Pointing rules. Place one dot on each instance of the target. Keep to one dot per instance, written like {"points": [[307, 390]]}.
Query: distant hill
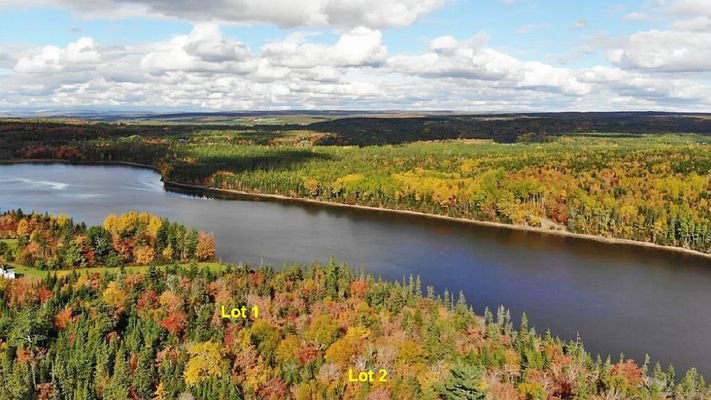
{"points": [[507, 127], [372, 128]]}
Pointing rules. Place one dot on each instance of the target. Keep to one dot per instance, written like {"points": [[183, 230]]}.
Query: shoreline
{"points": [[500, 225], [59, 161], [277, 197]]}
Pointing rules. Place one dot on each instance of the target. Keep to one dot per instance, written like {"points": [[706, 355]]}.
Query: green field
{"points": [[38, 273], [23, 270]]}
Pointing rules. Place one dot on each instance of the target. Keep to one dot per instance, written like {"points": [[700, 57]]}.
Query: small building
{"points": [[7, 272]]}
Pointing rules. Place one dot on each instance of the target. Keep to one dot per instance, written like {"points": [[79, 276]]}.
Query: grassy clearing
{"points": [[38, 273]]}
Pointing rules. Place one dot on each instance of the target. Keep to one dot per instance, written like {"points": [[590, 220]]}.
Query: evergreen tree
{"points": [[465, 382], [118, 386]]}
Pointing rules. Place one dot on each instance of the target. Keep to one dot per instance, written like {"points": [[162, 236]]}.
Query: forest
{"points": [[653, 188], [159, 334], [49, 242]]}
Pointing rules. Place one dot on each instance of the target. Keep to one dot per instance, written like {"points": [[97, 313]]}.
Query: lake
{"points": [[620, 299]]}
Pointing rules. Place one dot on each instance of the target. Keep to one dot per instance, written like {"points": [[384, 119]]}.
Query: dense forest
{"points": [[51, 242], [650, 188], [163, 334]]}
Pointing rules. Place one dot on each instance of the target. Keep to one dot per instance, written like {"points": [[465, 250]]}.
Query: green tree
{"points": [[465, 382]]}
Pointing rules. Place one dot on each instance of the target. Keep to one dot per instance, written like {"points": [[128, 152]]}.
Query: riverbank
{"points": [[59, 161], [613, 241], [207, 191]]}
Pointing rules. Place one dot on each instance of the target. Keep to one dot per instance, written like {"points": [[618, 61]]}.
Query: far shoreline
{"points": [[205, 190]]}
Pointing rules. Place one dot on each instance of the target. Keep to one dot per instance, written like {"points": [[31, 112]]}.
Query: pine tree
{"points": [[118, 386], [465, 382]]}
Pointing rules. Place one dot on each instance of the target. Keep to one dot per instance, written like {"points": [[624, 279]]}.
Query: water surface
{"points": [[620, 299]]}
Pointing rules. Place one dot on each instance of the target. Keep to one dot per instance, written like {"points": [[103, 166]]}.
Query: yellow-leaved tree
{"points": [[205, 246], [341, 351], [206, 361], [143, 255], [23, 228], [63, 219], [114, 295]]}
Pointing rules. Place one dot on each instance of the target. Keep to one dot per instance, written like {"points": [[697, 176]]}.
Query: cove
{"points": [[620, 299]]}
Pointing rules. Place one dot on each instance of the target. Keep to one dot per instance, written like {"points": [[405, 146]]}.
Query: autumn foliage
{"points": [[56, 242], [158, 334]]}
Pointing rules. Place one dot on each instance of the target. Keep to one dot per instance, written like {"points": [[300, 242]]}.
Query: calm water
{"points": [[620, 299]]}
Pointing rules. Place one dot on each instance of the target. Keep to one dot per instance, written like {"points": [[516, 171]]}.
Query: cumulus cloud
{"points": [[359, 47], [204, 49], [344, 14], [696, 24], [628, 84], [682, 46], [666, 51], [208, 69], [688, 7], [449, 58], [201, 69], [81, 54]]}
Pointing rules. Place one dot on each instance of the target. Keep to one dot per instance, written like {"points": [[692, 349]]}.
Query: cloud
{"points": [[204, 49], [683, 46], [206, 69], [342, 14], [359, 47], [200, 69], [81, 54], [448, 58], [636, 16], [580, 24], [688, 7], [698, 24], [665, 51], [659, 10], [628, 84]]}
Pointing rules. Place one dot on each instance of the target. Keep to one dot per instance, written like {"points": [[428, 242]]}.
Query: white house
{"points": [[7, 272]]}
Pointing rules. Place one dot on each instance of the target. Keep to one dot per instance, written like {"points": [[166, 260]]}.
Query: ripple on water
{"points": [[50, 184]]}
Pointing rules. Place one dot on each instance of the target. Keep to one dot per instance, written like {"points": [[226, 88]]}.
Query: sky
{"points": [[460, 55]]}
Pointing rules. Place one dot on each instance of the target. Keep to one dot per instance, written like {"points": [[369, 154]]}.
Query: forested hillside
{"points": [[305, 334], [647, 189]]}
